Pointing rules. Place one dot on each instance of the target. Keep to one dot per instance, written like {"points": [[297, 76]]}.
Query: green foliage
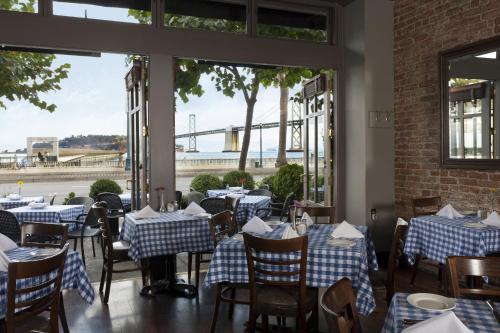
{"points": [[268, 180], [106, 142], [289, 178], [204, 182], [233, 178], [104, 185], [184, 202], [71, 195]]}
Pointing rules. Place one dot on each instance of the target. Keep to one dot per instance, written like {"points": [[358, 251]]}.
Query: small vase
{"points": [[163, 209]]}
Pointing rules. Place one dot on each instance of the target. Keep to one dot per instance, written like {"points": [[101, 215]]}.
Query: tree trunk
{"points": [[284, 95], [246, 136]]}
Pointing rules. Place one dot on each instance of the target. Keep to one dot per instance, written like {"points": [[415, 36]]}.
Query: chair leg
{"points": [[103, 276], [93, 246], [197, 270], [83, 251], [252, 322], [108, 282], [315, 318], [216, 309], [265, 323], [231, 305], [190, 262], [62, 314], [144, 272], [75, 243], [415, 269]]}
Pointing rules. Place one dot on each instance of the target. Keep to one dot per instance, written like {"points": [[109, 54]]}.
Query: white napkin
{"points": [[346, 230], [4, 262], [289, 233], [445, 322], [493, 219], [401, 222], [449, 212], [194, 209], [14, 196], [6, 243], [146, 213], [256, 225], [236, 195], [309, 221]]}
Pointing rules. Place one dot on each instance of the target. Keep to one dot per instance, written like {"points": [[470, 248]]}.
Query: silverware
{"points": [[409, 322]]}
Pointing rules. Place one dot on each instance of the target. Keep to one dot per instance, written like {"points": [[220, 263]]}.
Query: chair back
{"points": [[52, 200], [9, 226], [101, 212], [232, 203], [213, 205], [222, 225], [261, 192], [473, 267], [319, 214], [397, 247], [38, 234], [288, 270], [264, 186], [178, 197], [339, 307], [40, 295], [285, 212], [112, 200], [426, 206], [194, 196], [85, 201]]}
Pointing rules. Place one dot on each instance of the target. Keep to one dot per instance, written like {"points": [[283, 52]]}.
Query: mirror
{"points": [[471, 106]]}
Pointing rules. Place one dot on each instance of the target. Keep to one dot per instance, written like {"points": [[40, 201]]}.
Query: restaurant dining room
{"points": [[388, 221]]}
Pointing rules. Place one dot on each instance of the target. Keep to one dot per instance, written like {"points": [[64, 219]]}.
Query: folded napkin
{"points": [[146, 213], [6, 243], [401, 222], [194, 209], [445, 322], [4, 262], [14, 196], [493, 219], [308, 219], [449, 212], [256, 225], [346, 230], [289, 233]]}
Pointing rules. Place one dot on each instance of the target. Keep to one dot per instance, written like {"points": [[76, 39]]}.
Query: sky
{"points": [[93, 101]]}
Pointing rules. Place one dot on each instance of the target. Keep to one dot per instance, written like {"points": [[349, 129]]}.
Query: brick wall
{"points": [[421, 30]]}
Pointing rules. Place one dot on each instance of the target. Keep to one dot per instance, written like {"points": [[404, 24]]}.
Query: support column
{"points": [[161, 126]]}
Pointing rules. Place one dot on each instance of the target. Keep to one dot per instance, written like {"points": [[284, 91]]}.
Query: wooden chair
{"points": [[9, 226], [268, 297], [280, 208], [38, 234], [476, 267], [222, 225], [388, 281], [424, 206], [112, 252], [319, 214], [115, 208], [339, 307], [19, 311], [233, 204]]}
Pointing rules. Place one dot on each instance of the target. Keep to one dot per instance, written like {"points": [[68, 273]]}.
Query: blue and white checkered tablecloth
{"points": [[49, 214], [221, 193], [326, 264], [437, 237], [171, 233], [7, 203], [475, 314], [126, 198], [74, 276], [249, 206]]}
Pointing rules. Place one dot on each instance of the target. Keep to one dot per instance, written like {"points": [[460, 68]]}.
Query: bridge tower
{"points": [[296, 134], [192, 135]]}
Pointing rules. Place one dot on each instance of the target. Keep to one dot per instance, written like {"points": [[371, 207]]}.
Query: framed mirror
{"points": [[470, 106]]}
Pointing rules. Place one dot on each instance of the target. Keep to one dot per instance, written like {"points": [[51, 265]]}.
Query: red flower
{"points": [[161, 188], [242, 181]]}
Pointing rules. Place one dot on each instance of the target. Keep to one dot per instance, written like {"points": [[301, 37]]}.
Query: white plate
{"points": [[274, 223], [341, 242], [238, 237], [38, 205], [475, 225], [431, 302]]}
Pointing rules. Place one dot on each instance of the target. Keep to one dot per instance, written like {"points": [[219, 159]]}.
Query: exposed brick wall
{"points": [[421, 30]]}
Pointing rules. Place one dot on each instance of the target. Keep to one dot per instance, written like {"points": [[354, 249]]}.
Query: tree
{"points": [[24, 75]]}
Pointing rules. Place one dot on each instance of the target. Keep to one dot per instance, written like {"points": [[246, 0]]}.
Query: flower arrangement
{"points": [[159, 194], [20, 183]]}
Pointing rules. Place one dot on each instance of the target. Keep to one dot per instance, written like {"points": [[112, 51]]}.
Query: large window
{"points": [[111, 10]]}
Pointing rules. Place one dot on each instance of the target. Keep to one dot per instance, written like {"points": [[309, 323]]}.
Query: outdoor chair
{"points": [[9, 226], [339, 307], [319, 214], [268, 260], [39, 234], [44, 295], [280, 209], [261, 192], [112, 252], [222, 226], [194, 196], [88, 227], [115, 209], [178, 197], [476, 267], [52, 200], [213, 205], [87, 202]]}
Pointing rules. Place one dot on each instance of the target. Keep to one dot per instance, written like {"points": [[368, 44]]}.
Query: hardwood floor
{"points": [[128, 312]]}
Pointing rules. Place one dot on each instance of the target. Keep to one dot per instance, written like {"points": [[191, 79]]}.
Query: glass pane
{"points": [[311, 155], [219, 16], [321, 160], [307, 24], [130, 12], [472, 137], [473, 107], [455, 138], [26, 6]]}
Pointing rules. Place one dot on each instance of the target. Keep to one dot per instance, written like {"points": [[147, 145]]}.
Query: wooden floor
{"points": [[128, 312]]}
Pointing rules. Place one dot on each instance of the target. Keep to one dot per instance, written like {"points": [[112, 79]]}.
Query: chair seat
{"points": [[378, 279], [283, 301], [121, 246], [88, 232]]}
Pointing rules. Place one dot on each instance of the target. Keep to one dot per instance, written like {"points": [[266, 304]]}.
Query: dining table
{"points": [[437, 237], [249, 206], [224, 192], [9, 203], [74, 275], [126, 198], [475, 314], [165, 236], [49, 214], [326, 263]]}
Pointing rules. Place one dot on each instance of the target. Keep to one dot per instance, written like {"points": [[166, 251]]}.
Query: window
{"points": [[110, 10]]}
